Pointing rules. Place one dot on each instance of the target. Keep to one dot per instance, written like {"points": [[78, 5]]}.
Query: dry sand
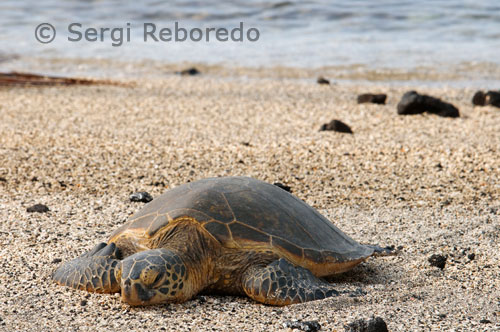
{"points": [[425, 183]]}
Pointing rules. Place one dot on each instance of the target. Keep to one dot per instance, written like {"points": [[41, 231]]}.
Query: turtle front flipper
{"points": [[98, 270], [282, 283]]}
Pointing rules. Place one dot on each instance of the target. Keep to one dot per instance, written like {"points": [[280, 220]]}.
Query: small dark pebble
{"points": [[485, 321], [471, 256], [41, 208], [356, 293], [283, 186], [376, 324], [308, 326], [438, 261], [201, 299], [336, 125], [322, 80], [2, 179], [446, 203], [83, 303], [56, 260], [34, 179], [190, 72], [141, 197], [372, 98], [414, 103]]}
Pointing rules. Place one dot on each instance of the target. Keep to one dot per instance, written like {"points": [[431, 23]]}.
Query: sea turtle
{"points": [[230, 235]]}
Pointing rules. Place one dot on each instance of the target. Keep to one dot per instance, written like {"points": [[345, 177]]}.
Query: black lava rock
{"points": [[283, 186], [56, 260], [40, 208], [375, 324], [141, 197], [485, 321], [2, 179], [492, 98], [438, 261], [322, 80], [479, 98], [414, 103], [471, 256], [372, 98], [190, 72], [336, 125], [309, 326]]}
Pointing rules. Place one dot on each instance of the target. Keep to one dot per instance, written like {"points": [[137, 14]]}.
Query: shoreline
{"points": [[463, 75], [425, 183]]}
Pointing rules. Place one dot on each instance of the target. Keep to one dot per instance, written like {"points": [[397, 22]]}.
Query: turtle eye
{"points": [[150, 277]]}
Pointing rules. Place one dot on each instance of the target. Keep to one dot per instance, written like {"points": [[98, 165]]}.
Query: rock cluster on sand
{"points": [[484, 99]]}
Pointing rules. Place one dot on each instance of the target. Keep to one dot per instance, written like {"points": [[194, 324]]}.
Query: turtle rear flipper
{"points": [[379, 251], [282, 283], [98, 270]]}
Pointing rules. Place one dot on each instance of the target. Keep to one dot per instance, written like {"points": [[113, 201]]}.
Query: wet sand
{"points": [[425, 183]]}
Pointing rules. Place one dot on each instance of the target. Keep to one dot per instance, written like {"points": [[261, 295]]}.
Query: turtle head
{"points": [[153, 276]]}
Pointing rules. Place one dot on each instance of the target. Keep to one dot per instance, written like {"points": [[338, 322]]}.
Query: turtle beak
{"points": [[135, 294]]}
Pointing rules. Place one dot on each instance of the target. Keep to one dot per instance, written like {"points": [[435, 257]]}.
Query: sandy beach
{"points": [[424, 183]]}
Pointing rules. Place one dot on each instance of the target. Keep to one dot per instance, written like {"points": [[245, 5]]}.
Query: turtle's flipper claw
{"points": [[282, 283], [103, 250], [111, 251]]}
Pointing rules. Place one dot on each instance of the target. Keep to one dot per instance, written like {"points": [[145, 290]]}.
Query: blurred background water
{"points": [[376, 34]]}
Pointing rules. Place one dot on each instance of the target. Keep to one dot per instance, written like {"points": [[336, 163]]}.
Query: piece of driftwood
{"points": [[28, 79]]}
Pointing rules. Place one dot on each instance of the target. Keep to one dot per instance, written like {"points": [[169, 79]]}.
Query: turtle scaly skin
{"points": [[231, 235]]}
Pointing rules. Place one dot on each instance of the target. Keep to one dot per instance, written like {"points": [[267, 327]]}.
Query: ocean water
{"points": [[376, 34]]}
